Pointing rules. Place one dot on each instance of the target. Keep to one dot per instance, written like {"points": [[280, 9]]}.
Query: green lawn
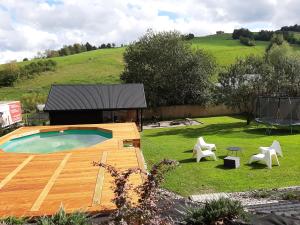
{"points": [[210, 176]]}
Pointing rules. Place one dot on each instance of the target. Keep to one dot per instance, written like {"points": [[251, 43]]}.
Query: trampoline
{"points": [[278, 111]]}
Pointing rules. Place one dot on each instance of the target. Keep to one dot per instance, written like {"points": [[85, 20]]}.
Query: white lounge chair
{"points": [[202, 154], [266, 157], [275, 145], [205, 145]]}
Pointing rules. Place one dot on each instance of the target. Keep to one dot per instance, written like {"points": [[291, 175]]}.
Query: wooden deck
{"points": [[38, 184]]}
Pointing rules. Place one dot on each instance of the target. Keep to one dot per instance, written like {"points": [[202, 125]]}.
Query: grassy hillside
{"points": [[225, 49], [105, 65]]}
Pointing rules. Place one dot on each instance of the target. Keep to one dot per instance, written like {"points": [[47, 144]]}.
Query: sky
{"points": [[29, 26]]}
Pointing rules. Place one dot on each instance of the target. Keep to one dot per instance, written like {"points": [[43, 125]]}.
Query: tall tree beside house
{"points": [[172, 73]]}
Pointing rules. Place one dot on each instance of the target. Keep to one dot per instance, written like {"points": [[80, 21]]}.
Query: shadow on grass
{"points": [[273, 132], [258, 166], [188, 151], [221, 128], [193, 160]]}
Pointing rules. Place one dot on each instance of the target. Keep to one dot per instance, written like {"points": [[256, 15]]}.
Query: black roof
{"points": [[96, 96]]}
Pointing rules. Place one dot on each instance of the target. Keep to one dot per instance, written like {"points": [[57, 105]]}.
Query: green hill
{"points": [[105, 65]]}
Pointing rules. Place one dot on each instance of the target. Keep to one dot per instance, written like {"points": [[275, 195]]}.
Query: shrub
{"points": [[242, 32], [61, 218], [222, 211], [291, 195], [30, 100], [9, 74], [247, 41], [12, 221], [145, 210]]}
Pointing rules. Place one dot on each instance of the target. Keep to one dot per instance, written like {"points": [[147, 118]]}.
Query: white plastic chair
{"points": [[205, 145], [275, 145], [202, 154], [266, 157]]}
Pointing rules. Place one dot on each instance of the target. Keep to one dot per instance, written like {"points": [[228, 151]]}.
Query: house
{"points": [[96, 103]]}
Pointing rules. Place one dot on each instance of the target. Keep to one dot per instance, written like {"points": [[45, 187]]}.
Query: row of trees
{"points": [[75, 49], [12, 72], [246, 36], [174, 74]]}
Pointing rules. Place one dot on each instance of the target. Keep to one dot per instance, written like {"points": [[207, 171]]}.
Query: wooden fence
{"points": [[186, 111]]}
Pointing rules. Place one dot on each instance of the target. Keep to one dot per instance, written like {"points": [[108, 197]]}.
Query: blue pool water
{"points": [[47, 142]]}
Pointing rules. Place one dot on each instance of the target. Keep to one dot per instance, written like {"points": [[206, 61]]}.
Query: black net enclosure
{"points": [[278, 111]]}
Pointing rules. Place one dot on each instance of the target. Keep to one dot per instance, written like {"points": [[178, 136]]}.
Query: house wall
{"points": [[91, 117], [75, 117]]}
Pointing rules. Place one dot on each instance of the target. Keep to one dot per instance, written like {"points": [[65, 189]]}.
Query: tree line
{"points": [[12, 72], [175, 74], [247, 37], [75, 49]]}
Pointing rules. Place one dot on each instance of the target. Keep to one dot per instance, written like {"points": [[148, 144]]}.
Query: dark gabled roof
{"points": [[96, 96]]}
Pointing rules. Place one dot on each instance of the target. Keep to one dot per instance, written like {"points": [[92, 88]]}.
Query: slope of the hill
{"points": [[225, 49], [105, 65]]}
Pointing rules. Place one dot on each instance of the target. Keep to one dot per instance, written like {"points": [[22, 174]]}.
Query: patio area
{"points": [[39, 184]]}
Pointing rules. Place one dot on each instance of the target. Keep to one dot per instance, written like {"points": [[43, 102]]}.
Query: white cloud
{"points": [[29, 26]]}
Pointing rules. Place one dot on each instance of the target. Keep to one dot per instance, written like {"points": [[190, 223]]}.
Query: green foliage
{"points": [[9, 74], [30, 100], [221, 211], [243, 82], [291, 195], [12, 221], [247, 41], [286, 66], [61, 218], [237, 33], [172, 73], [264, 35], [277, 39]]}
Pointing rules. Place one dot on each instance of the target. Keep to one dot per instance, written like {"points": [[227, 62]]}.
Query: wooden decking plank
{"points": [[100, 181], [37, 204], [15, 171]]}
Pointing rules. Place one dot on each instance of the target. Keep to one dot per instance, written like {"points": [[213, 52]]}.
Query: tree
{"points": [[25, 59], [244, 80], [242, 32], [264, 35], [286, 64], [277, 39], [9, 74], [172, 73], [88, 46], [247, 41]]}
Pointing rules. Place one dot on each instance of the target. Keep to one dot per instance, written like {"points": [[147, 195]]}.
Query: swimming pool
{"points": [[54, 141]]}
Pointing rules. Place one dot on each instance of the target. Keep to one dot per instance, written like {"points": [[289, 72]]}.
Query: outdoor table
{"points": [[234, 149]]}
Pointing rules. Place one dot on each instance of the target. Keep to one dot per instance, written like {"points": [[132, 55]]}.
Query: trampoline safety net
{"points": [[280, 111]]}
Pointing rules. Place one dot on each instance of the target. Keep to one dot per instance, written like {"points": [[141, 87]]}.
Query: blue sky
{"points": [[29, 26]]}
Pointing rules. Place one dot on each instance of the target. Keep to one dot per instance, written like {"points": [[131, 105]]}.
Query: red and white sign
{"points": [[10, 113], [15, 111]]}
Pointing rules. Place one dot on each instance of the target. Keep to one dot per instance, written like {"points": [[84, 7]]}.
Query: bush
{"points": [[61, 218], [12, 221], [247, 41], [242, 32], [30, 100], [264, 35], [222, 211], [9, 74]]}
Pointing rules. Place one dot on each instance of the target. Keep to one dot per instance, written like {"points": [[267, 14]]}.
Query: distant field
{"points": [[105, 65], [225, 49]]}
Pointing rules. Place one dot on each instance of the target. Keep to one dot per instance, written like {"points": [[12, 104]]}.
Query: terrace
{"points": [[38, 184]]}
